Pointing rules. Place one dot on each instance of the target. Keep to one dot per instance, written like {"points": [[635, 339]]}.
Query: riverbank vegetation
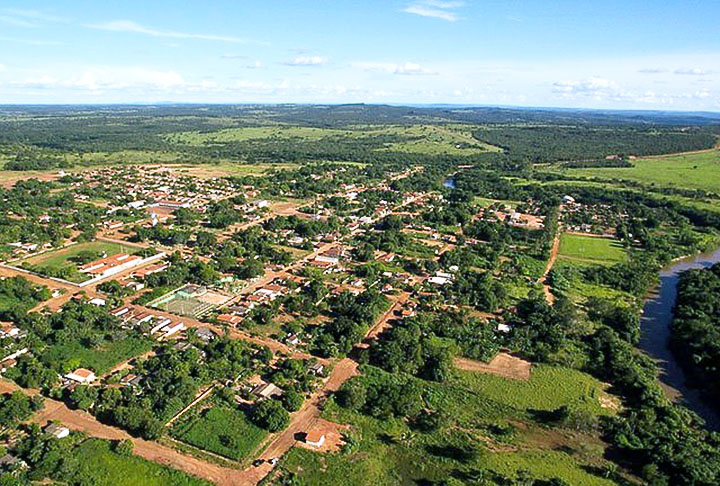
{"points": [[696, 329]]}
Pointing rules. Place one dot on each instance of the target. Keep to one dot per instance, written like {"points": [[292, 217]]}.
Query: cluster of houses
{"points": [[596, 219], [168, 187], [329, 260], [22, 249], [234, 314], [153, 324], [11, 335]]}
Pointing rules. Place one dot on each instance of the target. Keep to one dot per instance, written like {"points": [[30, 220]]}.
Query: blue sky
{"points": [[599, 54]]}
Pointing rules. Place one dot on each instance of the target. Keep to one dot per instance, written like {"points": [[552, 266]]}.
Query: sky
{"points": [[610, 54]]}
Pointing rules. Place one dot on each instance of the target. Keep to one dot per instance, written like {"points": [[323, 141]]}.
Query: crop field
{"points": [[222, 430], [388, 452], [590, 249], [62, 259], [100, 466], [693, 171]]}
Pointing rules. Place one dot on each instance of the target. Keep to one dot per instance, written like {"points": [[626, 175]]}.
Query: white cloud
{"points": [[130, 26], [307, 61], [412, 69], [108, 79], [37, 82], [592, 86], [438, 9], [693, 72], [113, 78], [2, 68], [233, 56], [16, 21], [31, 42], [33, 14], [255, 65], [407, 68], [608, 91], [652, 70]]}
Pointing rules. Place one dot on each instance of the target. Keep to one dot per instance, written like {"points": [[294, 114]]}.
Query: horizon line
{"points": [[392, 104]]}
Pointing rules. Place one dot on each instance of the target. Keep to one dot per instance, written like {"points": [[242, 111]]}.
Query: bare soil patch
{"points": [[503, 364]]}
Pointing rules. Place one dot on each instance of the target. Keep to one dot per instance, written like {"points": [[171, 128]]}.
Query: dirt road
{"points": [[84, 422], [383, 322], [303, 420], [545, 278]]}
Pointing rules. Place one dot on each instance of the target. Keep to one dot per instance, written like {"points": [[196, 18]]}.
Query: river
{"points": [[655, 325]]}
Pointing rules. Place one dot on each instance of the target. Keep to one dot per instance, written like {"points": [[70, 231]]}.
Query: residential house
{"points": [[82, 376], [57, 431], [267, 390], [315, 438]]}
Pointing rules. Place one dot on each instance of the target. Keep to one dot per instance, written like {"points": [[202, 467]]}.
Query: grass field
{"points": [[59, 259], [485, 202], [589, 249], [435, 139], [71, 355], [98, 465], [225, 169], [694, 171], [427, 139], [541, 392], [388, 452], [222, 430]]}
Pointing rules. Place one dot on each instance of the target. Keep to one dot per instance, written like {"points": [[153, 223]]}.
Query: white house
{"points": [[57, 431], [315, 438], [173, 329], [81, 375]]}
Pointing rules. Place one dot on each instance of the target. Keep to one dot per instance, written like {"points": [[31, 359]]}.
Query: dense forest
{"points": [[696, 328]]}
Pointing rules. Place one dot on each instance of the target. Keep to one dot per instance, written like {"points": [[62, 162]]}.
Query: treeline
{"points": [[696, 329], [569, 143]]}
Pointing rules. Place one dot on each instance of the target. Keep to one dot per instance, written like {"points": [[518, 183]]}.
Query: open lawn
{"points": [[62, 258], [98, 465], [590, 249], [478, 407], [693, 171], [222, 430]]}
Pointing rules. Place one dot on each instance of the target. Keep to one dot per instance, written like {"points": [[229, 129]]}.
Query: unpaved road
{"points": [[544, 279], [84, 422]]}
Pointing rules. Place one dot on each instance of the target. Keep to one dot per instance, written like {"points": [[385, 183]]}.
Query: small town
{"points": [[409, 243]]}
